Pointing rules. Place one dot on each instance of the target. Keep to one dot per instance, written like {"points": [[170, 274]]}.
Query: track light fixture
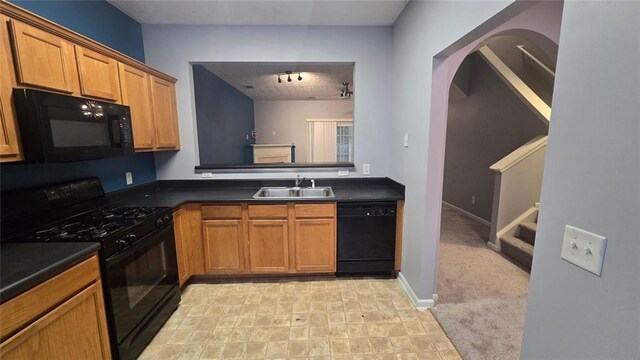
{"points": [[288, 73]]}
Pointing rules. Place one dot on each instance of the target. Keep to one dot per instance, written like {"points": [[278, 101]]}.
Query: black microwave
{"points": [[56, 127]]}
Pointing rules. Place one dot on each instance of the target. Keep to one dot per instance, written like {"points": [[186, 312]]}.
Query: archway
{"points": [[528, 25]]}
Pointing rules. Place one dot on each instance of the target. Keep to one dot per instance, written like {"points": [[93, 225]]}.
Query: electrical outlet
{"points": [[343, 172], [406, 140], [583, 249], [129, 177], [206, 175], [366, 169]]}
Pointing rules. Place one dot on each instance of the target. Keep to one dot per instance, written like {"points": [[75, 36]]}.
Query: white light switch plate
{"points": [[583, 249], [366, 169], [129, 177]]}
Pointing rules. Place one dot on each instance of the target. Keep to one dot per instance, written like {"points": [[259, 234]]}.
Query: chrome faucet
{"points": [[299, 180], [313, 184]]}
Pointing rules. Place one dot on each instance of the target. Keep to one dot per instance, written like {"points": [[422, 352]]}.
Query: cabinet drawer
{"points": [[315, 210], [221, 211], [268, 211]]}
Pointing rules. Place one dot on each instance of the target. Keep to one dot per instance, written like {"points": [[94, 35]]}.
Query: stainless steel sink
{"points": [[294, 193]]}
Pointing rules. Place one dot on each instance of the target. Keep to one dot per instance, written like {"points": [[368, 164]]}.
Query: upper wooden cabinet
{"points": [[165, 113], [10, 147], [136, 93], [37, 53], [98, 75], [42, 59]]}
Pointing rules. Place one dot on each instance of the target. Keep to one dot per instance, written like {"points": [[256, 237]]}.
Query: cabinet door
{"points": [[42, 59], [165, 114], [136, 93], [223, 246], [10, 149], [77, 328], [268, 246], [98, 75], [182, 245], [316, 245]]}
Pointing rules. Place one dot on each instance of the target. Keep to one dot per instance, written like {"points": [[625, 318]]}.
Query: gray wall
{"points": [[481, 129], [224, 118], [170, 48], [592, 181], [289, 120]]}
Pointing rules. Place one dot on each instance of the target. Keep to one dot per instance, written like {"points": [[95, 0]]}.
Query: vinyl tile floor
{"points": [[300, 319]]}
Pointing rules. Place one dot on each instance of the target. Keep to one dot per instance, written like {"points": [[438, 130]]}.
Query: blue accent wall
{"points": [[96, 19], [225, 117], [104, 23]]}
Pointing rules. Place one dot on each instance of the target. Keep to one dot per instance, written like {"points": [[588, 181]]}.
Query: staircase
{"points": [[519, 247]]}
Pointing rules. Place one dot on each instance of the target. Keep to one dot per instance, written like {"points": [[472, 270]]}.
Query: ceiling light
{"points": [[279, 80], [299, 77], [289, 78]]}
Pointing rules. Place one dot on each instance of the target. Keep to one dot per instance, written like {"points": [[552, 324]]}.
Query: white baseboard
{"points": [[468, 214], [419, 304]]}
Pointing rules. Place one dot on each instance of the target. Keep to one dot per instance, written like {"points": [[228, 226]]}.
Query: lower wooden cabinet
{"points": [[268, 246], [223, 246], [235, 239], [315, 245], [63, 318]]}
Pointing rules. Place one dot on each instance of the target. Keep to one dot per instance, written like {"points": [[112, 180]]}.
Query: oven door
{"points": [[139, 278]]}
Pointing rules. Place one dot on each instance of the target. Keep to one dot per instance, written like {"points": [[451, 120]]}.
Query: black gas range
{"points": [[115, 227], [138, 255]]}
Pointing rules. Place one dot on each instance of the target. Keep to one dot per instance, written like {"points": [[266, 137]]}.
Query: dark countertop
{"points": [[25, 265], [175, 193]]}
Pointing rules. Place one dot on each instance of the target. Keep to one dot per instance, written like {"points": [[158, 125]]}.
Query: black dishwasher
{"points": [[366, 238]]}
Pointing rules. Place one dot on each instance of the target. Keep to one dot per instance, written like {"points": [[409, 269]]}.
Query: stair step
{"points": [[528, 232], [518, 250]]}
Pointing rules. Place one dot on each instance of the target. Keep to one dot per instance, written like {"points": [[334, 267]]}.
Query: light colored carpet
{"points": [[482, 295]]}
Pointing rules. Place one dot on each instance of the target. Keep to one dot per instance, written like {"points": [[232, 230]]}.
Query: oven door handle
{"points": [[146, 242]]}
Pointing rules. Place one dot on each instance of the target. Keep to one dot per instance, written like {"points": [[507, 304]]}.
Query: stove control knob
{"points": [[131, 238], [122, 243], [166, 219], [159, 222]]}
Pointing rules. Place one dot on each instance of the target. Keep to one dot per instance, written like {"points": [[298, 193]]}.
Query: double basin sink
{"points": [[294, 193]]}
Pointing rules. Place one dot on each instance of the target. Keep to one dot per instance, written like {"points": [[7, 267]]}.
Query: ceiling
{"points": [[320, 81], [263, 12]]}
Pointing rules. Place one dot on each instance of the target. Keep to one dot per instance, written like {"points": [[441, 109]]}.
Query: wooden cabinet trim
{"points": [[92, 293], [20, 311], [15, 12], [276, 211], [315, 210], [222, 211], [399, 225]]}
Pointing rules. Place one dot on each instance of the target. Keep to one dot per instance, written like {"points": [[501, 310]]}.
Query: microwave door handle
{"points": [[116, 137]]}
